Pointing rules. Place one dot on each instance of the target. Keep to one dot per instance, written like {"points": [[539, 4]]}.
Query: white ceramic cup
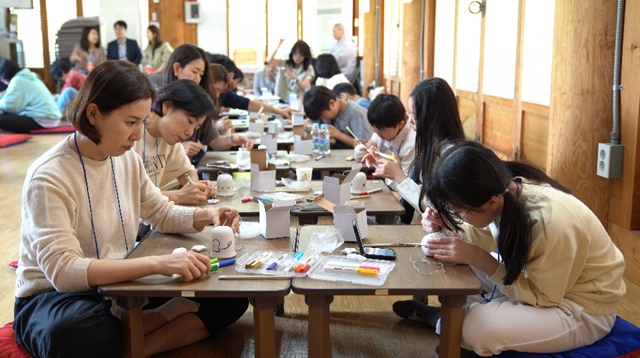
{"points": [[224, 185], [272, 127], [359, 183], [427, 237], [304, 174], [243, 158], [224, 246]]}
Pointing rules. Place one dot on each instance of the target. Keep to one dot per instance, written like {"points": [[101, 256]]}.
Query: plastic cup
{"points": [[304, 174]]}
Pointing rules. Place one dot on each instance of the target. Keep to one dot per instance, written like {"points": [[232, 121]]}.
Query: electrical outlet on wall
{"points": [[609, 160]]}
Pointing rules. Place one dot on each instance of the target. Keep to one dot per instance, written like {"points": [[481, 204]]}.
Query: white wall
{"points": [[134, 13]]}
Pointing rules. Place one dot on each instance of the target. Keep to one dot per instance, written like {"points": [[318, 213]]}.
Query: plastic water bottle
{"points": [[325, 143], [315, 133]]}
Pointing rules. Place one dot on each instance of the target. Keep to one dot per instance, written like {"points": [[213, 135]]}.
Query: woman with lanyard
{"points": [[557, 269], [87, 53], [82, 201], [178, 111]]}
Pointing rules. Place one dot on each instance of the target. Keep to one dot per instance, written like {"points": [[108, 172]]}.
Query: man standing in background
{"points": [[345, 53], [123, 48]]}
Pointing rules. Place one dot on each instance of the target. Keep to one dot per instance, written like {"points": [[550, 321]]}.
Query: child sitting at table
{"points": [[392, 133], [557, 269], [178, 110], [81, 203], [320, 104]]}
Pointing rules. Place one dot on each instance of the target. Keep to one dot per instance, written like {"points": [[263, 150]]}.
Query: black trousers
{"points": [[18, 124], [80, 324]]}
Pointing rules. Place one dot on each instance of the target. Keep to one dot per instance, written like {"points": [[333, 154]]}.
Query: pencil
{"points": [[353, 134], [253, 277]]}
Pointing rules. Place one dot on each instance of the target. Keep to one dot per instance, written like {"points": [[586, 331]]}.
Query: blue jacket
{"points": [[28, 96], [133, 51]]}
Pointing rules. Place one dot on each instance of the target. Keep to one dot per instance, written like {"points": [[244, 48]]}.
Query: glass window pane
{"points": [[445, 27], [282, 24], [29, 19], [538, 48], [468, 51], [247, 32], [212, 30], [501, 35]]}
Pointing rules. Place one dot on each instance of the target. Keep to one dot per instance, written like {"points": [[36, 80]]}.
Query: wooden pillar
{"points": [[369, 38], [410, 70], [48, 79], [79, 8], [581, 97], [410, 74]]}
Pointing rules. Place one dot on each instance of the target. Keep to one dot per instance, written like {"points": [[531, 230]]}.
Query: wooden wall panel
{"points": [[368, 56], [410, 61], [581, 100], [497, 127], [534, 139], [467, 110], [629, 243], [172, 26], [625, 192]]}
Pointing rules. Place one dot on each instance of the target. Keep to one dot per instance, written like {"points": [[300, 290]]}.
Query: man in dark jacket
{"points": [[123, 48]]}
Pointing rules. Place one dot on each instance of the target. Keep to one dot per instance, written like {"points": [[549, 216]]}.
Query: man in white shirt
{"points": [[345, 52]]}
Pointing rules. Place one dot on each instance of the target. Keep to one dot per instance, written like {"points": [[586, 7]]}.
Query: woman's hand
{"points": [[192, 148], [291, 75], [191, 265], [453, 249], [192, 193], [223, 125], [242, 141], [431, 221]]}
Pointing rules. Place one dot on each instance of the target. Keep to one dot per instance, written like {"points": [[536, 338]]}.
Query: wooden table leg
{"points": [[132, 330], [451, 325], [318, 331], [264, 326]]}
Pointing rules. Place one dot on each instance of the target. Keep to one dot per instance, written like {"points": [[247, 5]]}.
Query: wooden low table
{"points": [[264, 296], [452, 287]]}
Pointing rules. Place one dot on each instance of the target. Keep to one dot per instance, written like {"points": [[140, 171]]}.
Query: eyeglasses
{"points": [[457, 218]]}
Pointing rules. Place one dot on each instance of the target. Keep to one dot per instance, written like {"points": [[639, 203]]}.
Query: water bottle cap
{"points": [[314, 125], [323, 125]]}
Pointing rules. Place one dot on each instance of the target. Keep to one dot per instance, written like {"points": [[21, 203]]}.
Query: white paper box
{"points": [[275, 218], [343, 216], [297, 119], [302, 141], [336, 189], [263, 174], [256, 126], [271, 141]]}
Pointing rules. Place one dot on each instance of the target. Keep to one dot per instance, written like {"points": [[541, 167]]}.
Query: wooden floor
{"points": [[360, 326]]}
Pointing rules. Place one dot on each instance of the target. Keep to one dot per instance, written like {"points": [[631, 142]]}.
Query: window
{"points": [[392, 37]]}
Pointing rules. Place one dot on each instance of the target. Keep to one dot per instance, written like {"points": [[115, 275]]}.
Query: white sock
{"points": [[176, 307]]}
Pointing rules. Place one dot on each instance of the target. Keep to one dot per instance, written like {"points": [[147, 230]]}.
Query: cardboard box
{"points": [[275, 218], [336, 188], [263, 174], [343, 216], [302, 141]]}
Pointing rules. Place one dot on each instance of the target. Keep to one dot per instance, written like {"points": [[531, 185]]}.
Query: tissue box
{"points": [[302, 141], [336, 188], [263, 174], [343, 216], [275, 218]]}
